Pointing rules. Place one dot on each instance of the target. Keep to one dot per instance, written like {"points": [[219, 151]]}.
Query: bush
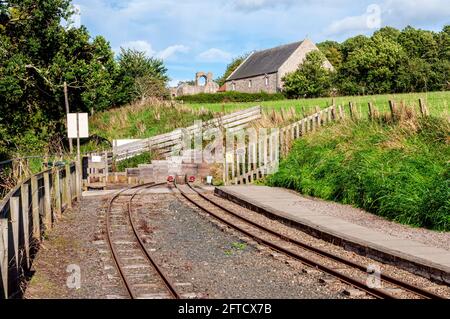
{"points": [[144, 158], [398, 171], [226, 97]]}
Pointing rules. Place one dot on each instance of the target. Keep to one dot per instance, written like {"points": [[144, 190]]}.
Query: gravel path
{"points": [[219, 264], [374, 222], [73, 241]]}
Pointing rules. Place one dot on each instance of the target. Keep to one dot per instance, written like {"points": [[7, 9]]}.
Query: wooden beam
{"points": [[25, 193], [47, 219], [35, 208], [4, 258]]}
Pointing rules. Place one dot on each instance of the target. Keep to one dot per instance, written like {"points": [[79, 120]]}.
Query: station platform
{"points": [[310, 216]]}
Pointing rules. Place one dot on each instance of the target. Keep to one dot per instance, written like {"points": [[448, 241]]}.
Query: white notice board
{"points": [[83, 125]]}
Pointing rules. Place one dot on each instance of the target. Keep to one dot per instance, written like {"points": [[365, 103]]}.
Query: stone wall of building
{"points": [[258, 84], [187, 89], [297, 58]]}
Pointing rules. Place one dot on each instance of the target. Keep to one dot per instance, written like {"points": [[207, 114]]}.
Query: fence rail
{"points": [[166, 143], [241, 168], [26, 213]]}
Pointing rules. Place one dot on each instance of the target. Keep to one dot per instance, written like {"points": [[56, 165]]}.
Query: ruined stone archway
{"points": [[203, 75]]}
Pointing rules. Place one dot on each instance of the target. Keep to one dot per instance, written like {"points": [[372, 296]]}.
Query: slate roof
{"points": [[264, 62]]}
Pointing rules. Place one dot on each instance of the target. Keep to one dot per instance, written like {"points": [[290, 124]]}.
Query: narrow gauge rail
{"points": [[121, 231], [285, 245]]}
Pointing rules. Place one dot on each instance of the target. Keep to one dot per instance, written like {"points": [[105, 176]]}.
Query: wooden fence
{"points": [[240, 166], [26, 213], [165, 144]]}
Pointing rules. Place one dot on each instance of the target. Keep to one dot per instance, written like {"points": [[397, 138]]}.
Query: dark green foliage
{"points": [[37, 55], [231, 68], [139, 77], [225, 97], [311, 79], [391, 61], [398, 171], [144, 158]]}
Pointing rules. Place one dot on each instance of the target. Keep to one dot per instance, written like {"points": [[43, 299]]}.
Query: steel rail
{"points": [[375, 292], [166, 281], [111, 245], [394, 281]]}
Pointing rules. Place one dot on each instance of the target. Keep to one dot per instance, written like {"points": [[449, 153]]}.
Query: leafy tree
{"points": [[139, 76], [231, 68], [38, 54], [332, 51], [312, 79], [372, 67]]}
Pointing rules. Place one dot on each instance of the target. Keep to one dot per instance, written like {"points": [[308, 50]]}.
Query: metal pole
{"points": [[78, 163], [66, 98]]}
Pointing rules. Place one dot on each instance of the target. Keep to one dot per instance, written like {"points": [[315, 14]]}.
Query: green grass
{"points": [[144, 158], [398, 171], [141, 121], [437, 102]]}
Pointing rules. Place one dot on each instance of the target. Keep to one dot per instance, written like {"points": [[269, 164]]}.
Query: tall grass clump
{"points": [[397, 170], [141, 120]]}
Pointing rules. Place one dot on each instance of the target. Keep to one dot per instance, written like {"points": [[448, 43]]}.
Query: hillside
{"points": [[398, 171], [142, 120], [438, 102]]}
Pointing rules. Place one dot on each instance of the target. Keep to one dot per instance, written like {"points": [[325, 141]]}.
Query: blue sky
{"points": [[204, 35]]}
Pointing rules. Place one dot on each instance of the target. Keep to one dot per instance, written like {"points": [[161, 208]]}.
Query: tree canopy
{"points": [[391, 61], [38, 53], [311, 79]]}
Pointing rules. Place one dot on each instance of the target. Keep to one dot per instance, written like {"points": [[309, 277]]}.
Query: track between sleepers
{"points": [[139, 273], [346, 271]]}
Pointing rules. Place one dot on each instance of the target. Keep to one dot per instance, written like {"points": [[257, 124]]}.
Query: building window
{"points": [[233, 86], [250, 84], [266, 81]]}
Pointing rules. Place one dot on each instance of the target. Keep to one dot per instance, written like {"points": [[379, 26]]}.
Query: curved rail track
{"points": [[140, 274], [342, 269]]}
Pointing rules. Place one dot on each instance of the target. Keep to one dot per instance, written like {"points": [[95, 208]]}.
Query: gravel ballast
{"points": [[219, 264]]}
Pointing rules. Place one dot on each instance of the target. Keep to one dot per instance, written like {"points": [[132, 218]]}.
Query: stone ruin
{"points": [[186, 89]]}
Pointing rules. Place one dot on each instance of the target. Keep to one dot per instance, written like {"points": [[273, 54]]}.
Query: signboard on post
{"points": [[77, 125]]}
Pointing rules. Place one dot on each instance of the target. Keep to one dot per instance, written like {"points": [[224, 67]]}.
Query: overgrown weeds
{"points": [[398, 170]]}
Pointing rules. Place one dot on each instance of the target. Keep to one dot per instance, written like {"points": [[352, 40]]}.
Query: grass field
{"points": [[398, 171], [437, 102]]}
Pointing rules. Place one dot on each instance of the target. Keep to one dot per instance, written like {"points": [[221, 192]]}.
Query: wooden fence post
{"points": [[47, 202], [25, 195], [57, 193], [393, 108], [14, 206], [68, 190], [341, 112], [4, 257], [352, 110], [35, 208], [423, 108], [333, 113]]}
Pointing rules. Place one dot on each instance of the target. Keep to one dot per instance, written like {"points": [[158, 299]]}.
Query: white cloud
{"points": [[370, 20], [215, 55], [140, 45], [417, 10], [145, 46], [172, 50], [255, 5], [397, 13]]}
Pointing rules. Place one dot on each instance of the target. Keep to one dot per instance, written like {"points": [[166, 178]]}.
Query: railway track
{"points": [[346, 271], [139, 273]]}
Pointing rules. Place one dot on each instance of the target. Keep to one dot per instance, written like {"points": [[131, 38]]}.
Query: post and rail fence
{"points": [[26, 213], [259, 156]]}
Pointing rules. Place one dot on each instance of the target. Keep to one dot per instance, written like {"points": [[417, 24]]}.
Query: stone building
{"points": [[186, 89], [263, 71]]}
